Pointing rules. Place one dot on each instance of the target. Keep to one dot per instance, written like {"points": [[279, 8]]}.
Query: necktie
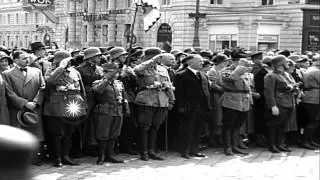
{"points": [[24, 71]]}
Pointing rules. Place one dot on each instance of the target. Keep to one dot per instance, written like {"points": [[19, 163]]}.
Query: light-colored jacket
{"points": [[21, 90], [4, 113], [311, 81], [237, 86], [154, 86]]}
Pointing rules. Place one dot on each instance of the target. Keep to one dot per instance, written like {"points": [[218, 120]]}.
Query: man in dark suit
{"points": [[192, 101]]}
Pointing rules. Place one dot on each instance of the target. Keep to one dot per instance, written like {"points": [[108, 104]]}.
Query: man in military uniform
{"points": [[111, 105], [279, 96], [118, 55], [65, 106], [236, 103], [155, 96], [90, 72]]}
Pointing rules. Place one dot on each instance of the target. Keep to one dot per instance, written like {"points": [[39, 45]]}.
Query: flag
{"points": [[151, 10]]}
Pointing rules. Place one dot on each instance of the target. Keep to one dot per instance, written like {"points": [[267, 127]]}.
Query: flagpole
{"points": [[132, 26], [131, 35]]}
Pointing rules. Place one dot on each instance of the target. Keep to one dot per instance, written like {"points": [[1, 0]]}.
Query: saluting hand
{"points": [[65, 62]]}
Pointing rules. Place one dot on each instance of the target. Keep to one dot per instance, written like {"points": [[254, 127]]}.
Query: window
{"points": [[26, 17], [26, 41], [106, 4], [312, 2], [219, 42], [17, 18], [215, 1], [267, 2], [36, 17], [129, 2], [8, 18], [17, 41], [165, 2], [105, 32]]}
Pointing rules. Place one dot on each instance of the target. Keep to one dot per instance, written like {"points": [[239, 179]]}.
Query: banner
{"points": [[151, 10]]}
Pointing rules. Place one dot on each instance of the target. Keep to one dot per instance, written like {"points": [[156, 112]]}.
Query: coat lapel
{"points": [[192, 74], [18, 74], [28, 76]]}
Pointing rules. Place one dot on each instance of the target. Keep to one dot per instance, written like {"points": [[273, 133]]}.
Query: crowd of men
{"points": [[142, 100]]}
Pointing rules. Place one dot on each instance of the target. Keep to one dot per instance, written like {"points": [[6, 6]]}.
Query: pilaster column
{"points": [[91, 24], [112, 23], [72, 21]]}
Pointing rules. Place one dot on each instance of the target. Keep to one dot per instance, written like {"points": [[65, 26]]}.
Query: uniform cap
{"points": [[35, 46], [151, 52], [206, 54], [116, 52], [267, 60], [278, 60], [60, 55], [91, 52], [284, 52], [220, 58], [257, 55], [189, 50], [294, 58]]}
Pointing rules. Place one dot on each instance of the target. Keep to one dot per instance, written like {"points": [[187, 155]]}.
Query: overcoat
{"points": [[216, 91], [4, 113], [21, 90], [311, 81]]}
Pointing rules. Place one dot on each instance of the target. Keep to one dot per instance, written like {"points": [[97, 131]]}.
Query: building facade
{"points": [[251, 24], [19, 26]]}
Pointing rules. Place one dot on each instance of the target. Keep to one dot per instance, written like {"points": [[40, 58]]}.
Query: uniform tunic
{"points": [[111, 101], [237, 96], [155, 94], [277, 93], [89, 74], [65, 87]]}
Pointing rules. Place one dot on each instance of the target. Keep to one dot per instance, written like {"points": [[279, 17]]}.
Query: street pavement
{"points": [[260, 164]]}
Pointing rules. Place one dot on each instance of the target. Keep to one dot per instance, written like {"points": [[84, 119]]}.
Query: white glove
{"points": [[64, 63], [275, 110]]}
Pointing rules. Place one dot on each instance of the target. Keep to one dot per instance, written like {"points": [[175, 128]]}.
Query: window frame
{"points": [[268, 3]]}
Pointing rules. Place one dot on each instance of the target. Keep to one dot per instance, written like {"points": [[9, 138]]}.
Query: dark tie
{"points": [[198, 75], [23, 69]]}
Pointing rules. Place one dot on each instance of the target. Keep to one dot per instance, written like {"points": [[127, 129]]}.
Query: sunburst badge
{"points": [[73, 108]]}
